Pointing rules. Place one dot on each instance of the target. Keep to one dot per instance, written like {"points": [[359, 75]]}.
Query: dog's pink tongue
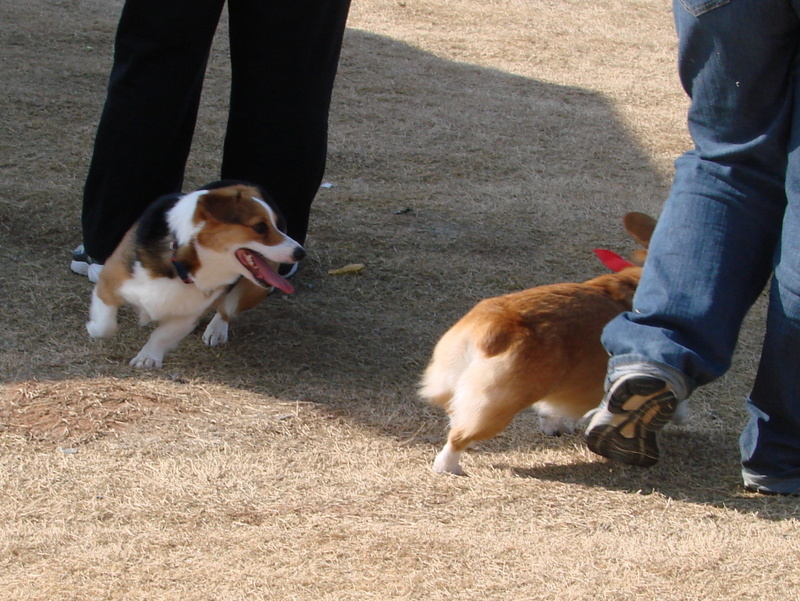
{"points": [[277, 280], [263, 271]]}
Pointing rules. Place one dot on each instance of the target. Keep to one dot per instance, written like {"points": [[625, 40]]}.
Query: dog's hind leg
{"points": [[482, 424], [163, 339], [478, 410], [102, 317]]}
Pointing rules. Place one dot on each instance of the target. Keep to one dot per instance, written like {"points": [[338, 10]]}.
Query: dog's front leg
{"points": [[227, 306], [241, 297], [163, 339], [216, 331]]}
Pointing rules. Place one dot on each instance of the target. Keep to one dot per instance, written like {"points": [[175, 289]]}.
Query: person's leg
{"points": [[284, 56], [711, 253], [145, 131], [770, 442]]}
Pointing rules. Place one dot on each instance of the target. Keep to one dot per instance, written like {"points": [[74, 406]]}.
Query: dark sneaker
{"points": [[771, 486], [84, 265], [764, 490], [624, 427], [287, 270]]}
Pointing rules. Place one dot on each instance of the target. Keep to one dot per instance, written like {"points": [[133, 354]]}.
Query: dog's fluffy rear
{"points": [[536, 347]]}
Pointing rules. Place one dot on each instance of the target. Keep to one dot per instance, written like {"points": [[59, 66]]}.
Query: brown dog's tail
{"points": [[450, 358]]}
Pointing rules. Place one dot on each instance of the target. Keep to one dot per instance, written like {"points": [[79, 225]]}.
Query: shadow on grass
{"points": [[695, 467], [453, 183]]}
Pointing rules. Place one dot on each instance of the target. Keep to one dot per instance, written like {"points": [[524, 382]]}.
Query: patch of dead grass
{"points": [[77, 413], [476, 148]]}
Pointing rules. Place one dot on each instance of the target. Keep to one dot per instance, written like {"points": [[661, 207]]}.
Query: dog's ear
{"points": [[219, 205], [205, 209], [640, 227], [638, 256]]}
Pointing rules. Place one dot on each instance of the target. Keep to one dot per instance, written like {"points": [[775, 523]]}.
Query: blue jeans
{"points": [[731, 221]]}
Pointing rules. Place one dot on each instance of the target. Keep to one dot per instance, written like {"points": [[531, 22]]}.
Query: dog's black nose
{"points": [[299, 253]]}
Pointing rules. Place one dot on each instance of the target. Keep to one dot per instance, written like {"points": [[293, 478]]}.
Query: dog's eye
{"points": [[260, 228]]}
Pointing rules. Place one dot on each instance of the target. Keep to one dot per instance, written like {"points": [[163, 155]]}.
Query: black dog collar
{"points": [[180, 267]]}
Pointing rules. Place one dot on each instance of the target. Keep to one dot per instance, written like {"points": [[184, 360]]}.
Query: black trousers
{"points": [[284, 56]]}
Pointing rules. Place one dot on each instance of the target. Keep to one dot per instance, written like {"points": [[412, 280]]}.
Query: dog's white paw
{"points": [[554, 425], [682, 414], [99, 329], [147, 361], [446, 462], [216, 331]]}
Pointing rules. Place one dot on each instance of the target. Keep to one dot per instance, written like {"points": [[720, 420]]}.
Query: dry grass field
{"points": [[477, 147]]}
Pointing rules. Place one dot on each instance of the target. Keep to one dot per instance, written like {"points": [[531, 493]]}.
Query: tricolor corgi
{"points": [[536, 347], [220, 244]]}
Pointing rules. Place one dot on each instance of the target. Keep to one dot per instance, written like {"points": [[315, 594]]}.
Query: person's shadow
{"points": [[511, 183], [451, 183]]}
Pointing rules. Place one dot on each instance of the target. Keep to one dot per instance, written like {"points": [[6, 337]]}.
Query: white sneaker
{"points": [[83, 264], [94, 272]]}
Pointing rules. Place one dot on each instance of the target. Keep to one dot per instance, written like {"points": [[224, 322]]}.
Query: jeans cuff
{"points": [[770, 484], [677, 381]]}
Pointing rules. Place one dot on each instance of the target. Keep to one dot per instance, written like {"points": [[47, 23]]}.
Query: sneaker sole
{"points": [[641, 406], [765, 490]]}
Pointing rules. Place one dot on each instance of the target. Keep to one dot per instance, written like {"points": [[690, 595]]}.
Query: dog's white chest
{"points": [[160, 298]]}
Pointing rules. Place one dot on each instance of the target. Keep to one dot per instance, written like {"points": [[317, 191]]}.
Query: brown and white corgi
{"points": [[536, 347], [220, 244]]}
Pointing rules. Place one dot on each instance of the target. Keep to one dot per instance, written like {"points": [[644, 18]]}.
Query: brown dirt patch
{"points": [[78, 412]]}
